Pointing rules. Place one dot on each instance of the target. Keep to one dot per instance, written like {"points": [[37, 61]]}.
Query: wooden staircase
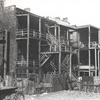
{"points": [[65, 67], [44, 58], [72, 81], [53, 66], [53, 47], [53, 42]]}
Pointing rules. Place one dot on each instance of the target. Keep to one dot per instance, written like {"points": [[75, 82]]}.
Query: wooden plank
{"points": [[31, 38], [49, 52], [47, 84], [90, 85], [21, 14], [7, 88]]}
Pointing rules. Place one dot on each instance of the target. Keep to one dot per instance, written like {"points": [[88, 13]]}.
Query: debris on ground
{"points": [[65, 95]]}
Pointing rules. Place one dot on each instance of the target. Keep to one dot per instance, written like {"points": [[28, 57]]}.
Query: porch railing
{"points": [[93, 44], [24, 63], [23, 33], [65, 48]]}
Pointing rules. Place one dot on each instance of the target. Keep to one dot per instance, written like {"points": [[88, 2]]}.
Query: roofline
{"points": [[86, 26], [70, 27], [29, 12]]}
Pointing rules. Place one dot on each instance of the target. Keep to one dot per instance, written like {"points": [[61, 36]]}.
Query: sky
{"points": [[78, 12]]}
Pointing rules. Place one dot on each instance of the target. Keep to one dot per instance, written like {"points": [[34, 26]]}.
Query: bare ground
{"points": [[65, 95]]}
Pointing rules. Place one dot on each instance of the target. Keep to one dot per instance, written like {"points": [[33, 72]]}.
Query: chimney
{"points": [[58, 18], [27, 9], [65, 19]]}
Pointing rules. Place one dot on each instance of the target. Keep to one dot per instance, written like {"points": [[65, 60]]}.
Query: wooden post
{"points": [[98, 63], [78, 61], [39, 46], [5, 56], [95, 62], [55, 34], [89, 31], [80, 85], [40, 28], [28, 31], [50, 48], [70, 69], [59, 50], [68, 37], [98, 53], [89, 63], [99, 88], [78, 39]]}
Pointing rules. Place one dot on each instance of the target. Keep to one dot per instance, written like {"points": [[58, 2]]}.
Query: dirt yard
{"points": [[65, 95]]}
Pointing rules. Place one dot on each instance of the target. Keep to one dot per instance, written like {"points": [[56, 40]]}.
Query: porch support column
{"points": [[78, 51], [70, 69], [39, 46], [95, 62], [99, 52], [89, 31], [5, 56], [67, 36], [98, 63], [55, 34], [59, 50], [28, 29]]}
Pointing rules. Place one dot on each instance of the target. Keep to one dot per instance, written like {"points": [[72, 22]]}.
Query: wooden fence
{"points": [[91, 88], [59, 82], [90, 84], [49, 83], [52, 83]]}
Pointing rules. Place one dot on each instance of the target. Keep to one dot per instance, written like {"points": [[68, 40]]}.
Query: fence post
{"points": [[80, 85], [99, 88]]}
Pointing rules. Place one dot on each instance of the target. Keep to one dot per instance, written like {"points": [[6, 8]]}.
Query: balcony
{"points": [[23, 34], [21, 68], [82, 67], [24, 63], [64, 46], [93, 45]]}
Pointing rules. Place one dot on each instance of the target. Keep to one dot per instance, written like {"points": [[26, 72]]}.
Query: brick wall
{"points": [[9, 22]]}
